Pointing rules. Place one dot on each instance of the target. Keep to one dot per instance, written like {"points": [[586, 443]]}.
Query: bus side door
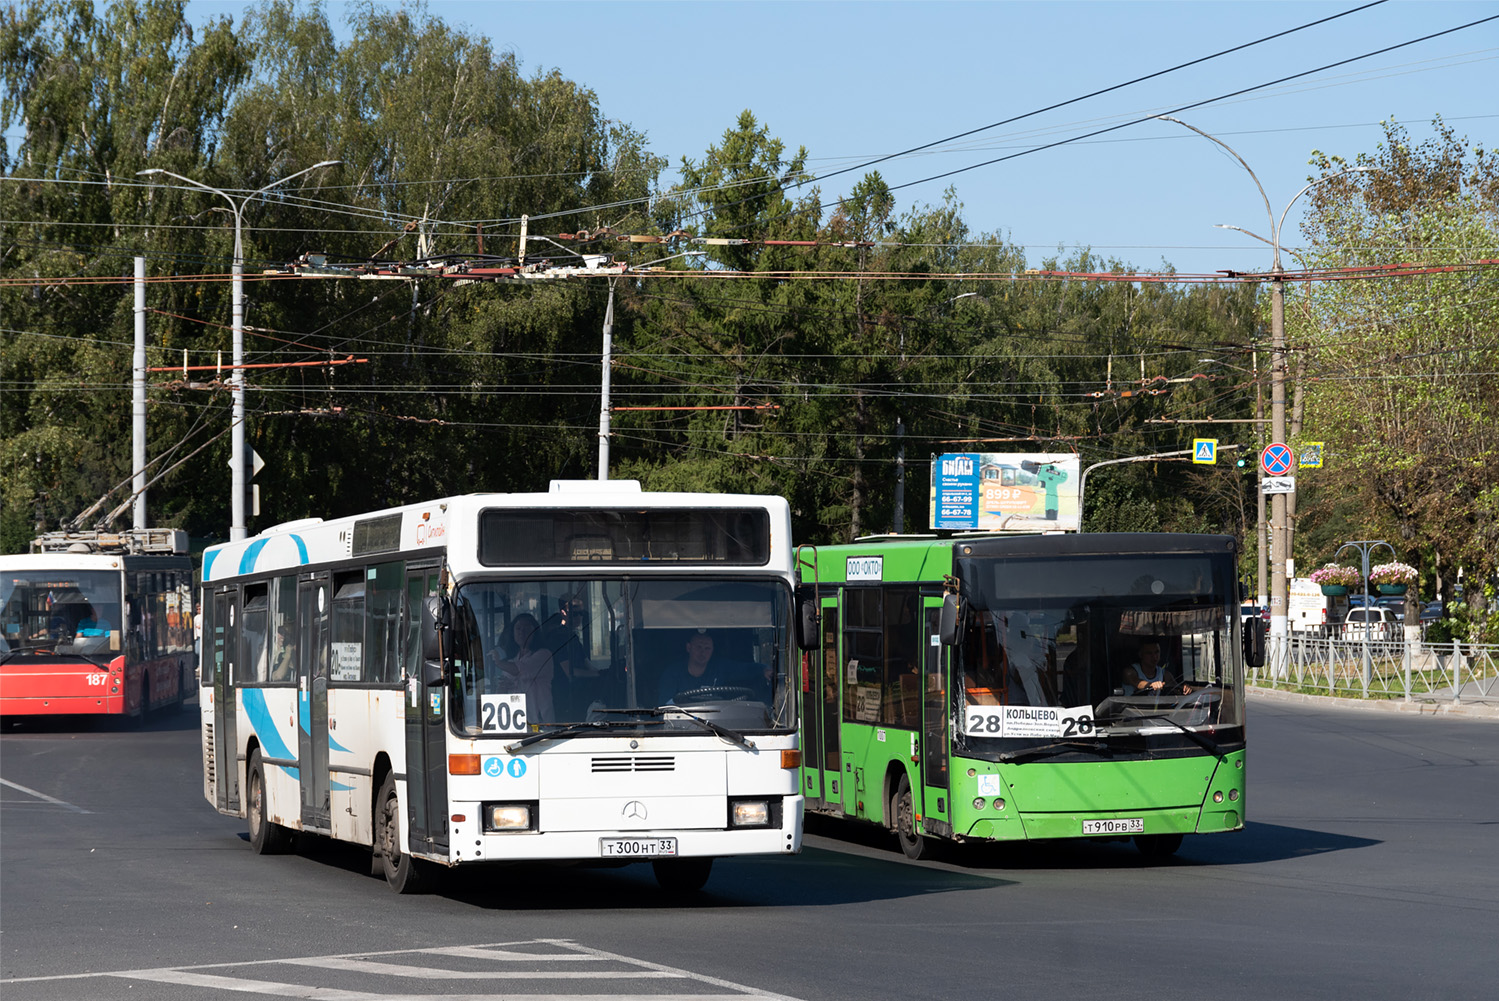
{"points": [[225, 658], [936, 715], [821, 715], [315, 602]]}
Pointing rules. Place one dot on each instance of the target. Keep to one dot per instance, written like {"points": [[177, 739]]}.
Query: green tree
{"points": [[1400, 364]]}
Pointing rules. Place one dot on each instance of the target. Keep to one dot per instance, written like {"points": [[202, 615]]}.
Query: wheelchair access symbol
{"points": [[497, 767], [1276, 459]]}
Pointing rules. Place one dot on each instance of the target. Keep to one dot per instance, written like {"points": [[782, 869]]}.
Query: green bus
{"points": [[988, 688]]}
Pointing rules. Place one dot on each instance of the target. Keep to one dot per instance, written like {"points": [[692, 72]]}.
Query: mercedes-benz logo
{"points": [[634, 810]]}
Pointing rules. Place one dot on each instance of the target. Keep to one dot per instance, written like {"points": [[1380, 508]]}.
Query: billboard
{"points": [[1005, 492]]}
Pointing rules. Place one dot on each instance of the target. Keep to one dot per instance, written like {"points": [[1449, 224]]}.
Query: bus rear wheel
{"points": [[1158, 846], [404, 873], [266, 836], [682, 875], [903, 815]]}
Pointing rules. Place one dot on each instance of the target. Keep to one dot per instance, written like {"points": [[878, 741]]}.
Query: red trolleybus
{"points": [[97, 623]]}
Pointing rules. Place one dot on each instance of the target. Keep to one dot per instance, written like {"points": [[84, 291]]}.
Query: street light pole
{"points": [[237, 375], [1279, 557]]}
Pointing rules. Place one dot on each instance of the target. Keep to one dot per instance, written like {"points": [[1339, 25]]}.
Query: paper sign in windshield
{"points": [[1028, 721]]}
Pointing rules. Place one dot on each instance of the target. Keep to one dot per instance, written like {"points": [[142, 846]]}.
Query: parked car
{"points": [[1431, 611], [1396, 605], [1376, 622], [1247, 612]]}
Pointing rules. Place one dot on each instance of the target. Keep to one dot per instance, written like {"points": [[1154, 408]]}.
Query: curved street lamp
{"points": [[1279, 625], [237, 377]]}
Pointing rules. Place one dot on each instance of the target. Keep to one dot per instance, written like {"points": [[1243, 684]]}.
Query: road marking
{"points": [[430, 973], [498, 953], [42, 796]]}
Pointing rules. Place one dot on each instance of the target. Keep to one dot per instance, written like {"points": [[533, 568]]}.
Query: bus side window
{"points": [[256, 614]]}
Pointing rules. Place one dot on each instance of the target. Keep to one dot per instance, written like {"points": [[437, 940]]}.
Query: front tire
{"points": [[682, 875], [903, 817], [266, 836], [404, 873]]}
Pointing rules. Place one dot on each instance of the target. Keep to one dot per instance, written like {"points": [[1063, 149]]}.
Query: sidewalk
{"points": [[1475, 707]]}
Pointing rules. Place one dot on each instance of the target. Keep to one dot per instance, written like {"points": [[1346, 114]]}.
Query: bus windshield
{"points": [[1142, 645], [60, 612], [571, 650]]}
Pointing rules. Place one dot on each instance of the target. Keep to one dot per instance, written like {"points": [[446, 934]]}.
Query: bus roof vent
{"points": [[595, 486]]}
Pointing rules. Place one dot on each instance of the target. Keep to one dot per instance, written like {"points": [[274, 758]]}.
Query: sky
{"points": [[857, 80]]}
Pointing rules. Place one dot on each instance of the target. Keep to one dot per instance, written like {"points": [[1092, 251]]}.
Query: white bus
{"points": [[502, 677]]}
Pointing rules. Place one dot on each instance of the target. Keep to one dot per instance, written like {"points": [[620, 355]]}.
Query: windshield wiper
{"points": [[1047, 750], [707, 724], [572, 730], [1196, 738]]}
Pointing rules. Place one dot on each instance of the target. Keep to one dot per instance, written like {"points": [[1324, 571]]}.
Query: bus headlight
{"points": [[754, 813], [508, 817]]}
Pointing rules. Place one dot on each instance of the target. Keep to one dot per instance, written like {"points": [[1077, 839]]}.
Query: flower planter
{"points": [[1334, 590], [1392, 588]]}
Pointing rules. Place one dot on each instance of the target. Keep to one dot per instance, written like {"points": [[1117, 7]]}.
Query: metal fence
{"points": [[1381, 669]]}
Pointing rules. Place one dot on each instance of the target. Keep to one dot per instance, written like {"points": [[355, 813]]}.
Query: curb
{"points": [[1471, 710]]}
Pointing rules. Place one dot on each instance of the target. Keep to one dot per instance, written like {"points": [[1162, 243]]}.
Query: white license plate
{"points": [[637, 847], [1122, 825]]}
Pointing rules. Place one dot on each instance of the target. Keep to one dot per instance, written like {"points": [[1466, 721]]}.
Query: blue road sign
{"points": [[1276, 459], [1205, 451]]}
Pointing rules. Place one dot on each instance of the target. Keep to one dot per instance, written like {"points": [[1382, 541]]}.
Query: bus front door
{"points": [[312, 700], [224, 655], [822, 708], [426, 728]]}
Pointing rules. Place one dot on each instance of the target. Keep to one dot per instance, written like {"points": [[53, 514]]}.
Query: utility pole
{"points": [[138, 403]]}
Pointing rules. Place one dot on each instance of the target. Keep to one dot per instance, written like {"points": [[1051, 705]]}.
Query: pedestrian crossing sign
{"points": [[1205, 451], [1311, 455]]}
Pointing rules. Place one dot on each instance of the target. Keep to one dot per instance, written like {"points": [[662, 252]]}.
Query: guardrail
{"points": [[1382, 669]]}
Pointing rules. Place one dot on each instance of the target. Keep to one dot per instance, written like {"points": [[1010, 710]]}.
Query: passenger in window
{"points": [[560, 636], [1148, 673], [286, 651], [529, 669]]}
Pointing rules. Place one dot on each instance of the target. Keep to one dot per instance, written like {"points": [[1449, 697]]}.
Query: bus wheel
{"points": [[404, 873], [682, 875], [266, 836], [903, 813], [1158, 846]]}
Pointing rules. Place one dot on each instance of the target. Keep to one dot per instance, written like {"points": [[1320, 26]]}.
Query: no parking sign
{"points": [[1276, 459]]}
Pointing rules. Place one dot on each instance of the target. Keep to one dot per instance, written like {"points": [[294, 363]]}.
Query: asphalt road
{"points": [[1368, 870]]}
